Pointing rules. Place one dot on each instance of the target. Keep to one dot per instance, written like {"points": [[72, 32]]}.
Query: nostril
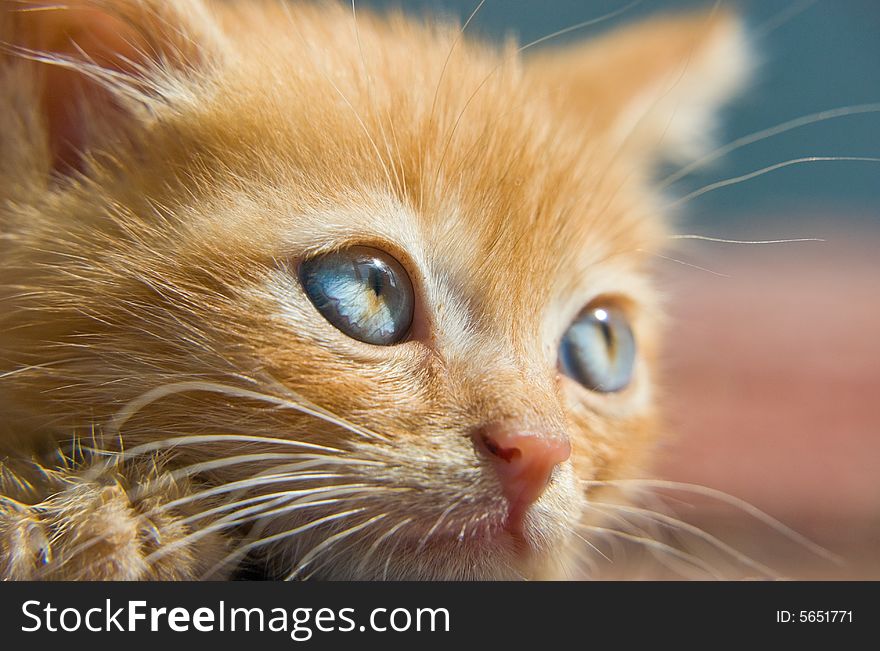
{"points": [[505, 453]]}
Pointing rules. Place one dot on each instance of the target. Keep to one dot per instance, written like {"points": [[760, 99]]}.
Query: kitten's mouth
{"points": [[492, 552], [518, 537]]}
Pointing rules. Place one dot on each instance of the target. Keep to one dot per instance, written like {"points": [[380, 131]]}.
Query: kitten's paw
{"points": [[115, 529], [24, 543]]}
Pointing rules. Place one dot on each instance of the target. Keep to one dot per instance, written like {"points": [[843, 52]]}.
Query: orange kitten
{"points": [[349, 298]]}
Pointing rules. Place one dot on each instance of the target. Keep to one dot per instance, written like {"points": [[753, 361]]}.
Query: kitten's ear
{"points": [[655, 87], [93, 67]]}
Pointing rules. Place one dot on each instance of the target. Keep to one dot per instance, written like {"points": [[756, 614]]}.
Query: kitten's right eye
{"points": [[364, 292]]}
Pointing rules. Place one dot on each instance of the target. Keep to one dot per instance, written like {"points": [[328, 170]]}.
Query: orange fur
{"points": [[148, 295]]}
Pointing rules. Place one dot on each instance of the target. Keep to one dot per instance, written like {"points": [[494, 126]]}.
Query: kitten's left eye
{"points": [[362, 291], [599, 350]]}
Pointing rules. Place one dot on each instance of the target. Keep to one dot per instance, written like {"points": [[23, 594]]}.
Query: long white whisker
{"points": [[666, 561], [695, 531], [765, 170], [241, 484], [215, 464], [372, 550], [244, 550], [295, 397], [449, 56], [330, 542], [283, 497], [234, 520], [721, 496], [591, 545], [319, 459], [686, 264], [32, 367], [656, 544], [232, 506], [581, 25], [722, 240], [748, 139], [135, 405], [358, 489], [424, 539]]}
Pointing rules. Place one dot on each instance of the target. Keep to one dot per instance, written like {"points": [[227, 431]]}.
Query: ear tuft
{"points": [[654, 88]]}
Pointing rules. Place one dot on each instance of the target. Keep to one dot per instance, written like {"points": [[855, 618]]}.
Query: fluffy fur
{"points": [[163, 166]]}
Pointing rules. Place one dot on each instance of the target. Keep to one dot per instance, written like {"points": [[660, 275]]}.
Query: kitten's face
{"points": [[428, 268]]}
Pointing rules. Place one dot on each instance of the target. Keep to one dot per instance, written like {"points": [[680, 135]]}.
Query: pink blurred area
{"points": [[772, 381]]}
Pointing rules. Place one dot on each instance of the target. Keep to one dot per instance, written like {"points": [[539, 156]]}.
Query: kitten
{"points": [[346, 296]]}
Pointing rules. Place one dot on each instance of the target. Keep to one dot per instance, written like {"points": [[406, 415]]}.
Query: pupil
{"points": [[609, 336], [375, 280]]}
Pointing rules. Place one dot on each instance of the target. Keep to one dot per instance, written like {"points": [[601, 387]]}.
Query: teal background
{"points": [[814, 55]]}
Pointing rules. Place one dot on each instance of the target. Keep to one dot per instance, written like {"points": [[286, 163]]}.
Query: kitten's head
{"points": [[393, 278]]}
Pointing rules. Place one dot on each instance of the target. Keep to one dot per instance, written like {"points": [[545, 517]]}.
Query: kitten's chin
{"points": [[497, 556]]}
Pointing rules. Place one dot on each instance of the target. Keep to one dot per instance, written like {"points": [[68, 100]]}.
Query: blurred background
{"points": [[772, 369]]}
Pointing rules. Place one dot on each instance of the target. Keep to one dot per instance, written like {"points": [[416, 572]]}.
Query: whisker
{"points": [[617, 549], [135, 405], [32, 367], [721, 240], [244, 550], [364, 431], [227, 523], [449, 56], [694, 530], [589, 544], [587, 23], [241, 484], [672, 563], [198, 439], [424, 539], [391, 551], [656, 544], [584, 566], [268, 497], [320, 459], [282, 497], [765, 170], [686, 264], [372, 550], [813, 118], [656, 532], [308, 499], [329, 543], [721, 496]]}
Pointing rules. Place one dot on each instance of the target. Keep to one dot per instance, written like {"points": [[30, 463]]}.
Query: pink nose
{"points": [[524, 461]]}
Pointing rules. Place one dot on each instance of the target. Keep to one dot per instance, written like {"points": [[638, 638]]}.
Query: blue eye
{"points": [[363, 292], [599, 350]]}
